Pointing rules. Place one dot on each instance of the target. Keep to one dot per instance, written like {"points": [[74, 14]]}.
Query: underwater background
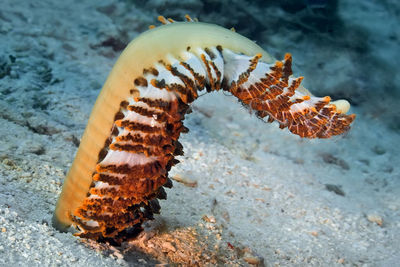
{"points": [[252, 194]]}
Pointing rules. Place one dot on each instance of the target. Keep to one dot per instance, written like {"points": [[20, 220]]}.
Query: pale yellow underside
{"points": [[148, 48]]}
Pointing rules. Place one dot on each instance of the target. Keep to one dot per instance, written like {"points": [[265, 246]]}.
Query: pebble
{"points": [[314, 233], [184, 180], [14, 74], [142, 261], [252, 260], [375, 218], [167, 246], [210, 219], [341, 261]]}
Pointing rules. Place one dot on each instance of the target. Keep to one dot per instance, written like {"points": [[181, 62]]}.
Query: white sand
{"points": [[261, 192]]}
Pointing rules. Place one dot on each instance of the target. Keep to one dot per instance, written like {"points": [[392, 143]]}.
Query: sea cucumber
{"points": [[131, 138]]}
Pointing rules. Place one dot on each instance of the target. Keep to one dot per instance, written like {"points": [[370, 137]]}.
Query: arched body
{"points": [[132, 134]]}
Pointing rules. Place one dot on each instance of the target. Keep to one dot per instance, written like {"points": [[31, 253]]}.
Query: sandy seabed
{"points": [[245, 192]]}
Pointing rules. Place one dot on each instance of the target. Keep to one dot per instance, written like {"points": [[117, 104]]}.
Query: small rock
{"points": [[210, 219], [14, 74], [167, 246], [143, 261], [184, 180], [337, 189], [253, 260], [314, 233], [331, 159], [340, 261], [378, 150], [375, 218]]}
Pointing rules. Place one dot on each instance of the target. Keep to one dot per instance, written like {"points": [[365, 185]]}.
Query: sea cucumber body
{"points": [[132, 134], [151, 46]]}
